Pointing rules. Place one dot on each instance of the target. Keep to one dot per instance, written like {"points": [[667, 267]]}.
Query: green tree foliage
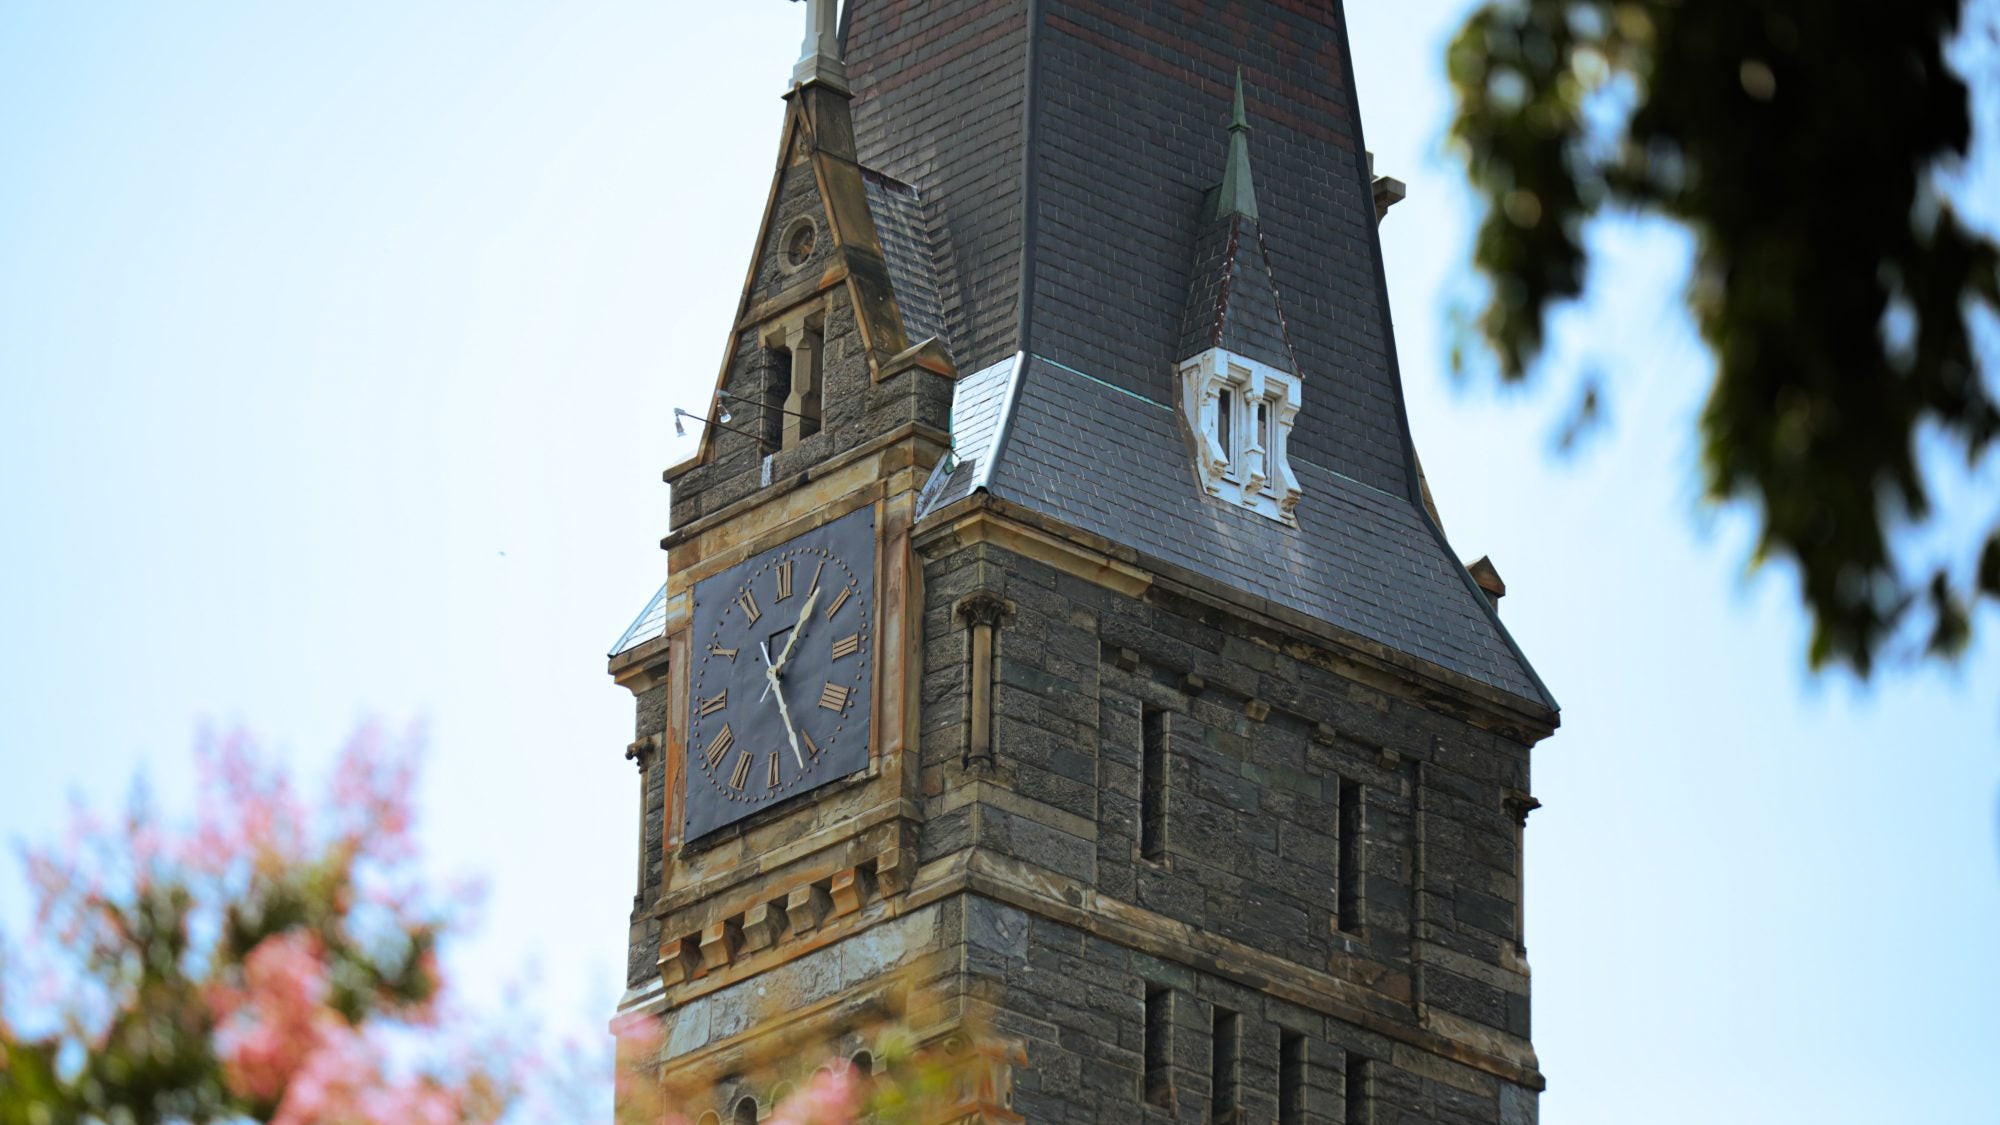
{"points": [[1800, 142]]}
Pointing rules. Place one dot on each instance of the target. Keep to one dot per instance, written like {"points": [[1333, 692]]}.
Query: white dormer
{"points": [[1241, 414]]}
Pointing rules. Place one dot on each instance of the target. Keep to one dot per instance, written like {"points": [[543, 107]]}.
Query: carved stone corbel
{"points": [[806, 907], [847, 892], [763, 925], [680, 960], [894, 869], [720, 941], [1518, 806]]}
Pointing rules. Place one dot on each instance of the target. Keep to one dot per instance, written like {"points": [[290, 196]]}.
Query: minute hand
{"points": [[805, 614]]}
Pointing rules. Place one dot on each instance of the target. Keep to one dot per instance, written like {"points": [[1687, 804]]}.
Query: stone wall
{"points": [[1262, 742], [1076, 1003]]}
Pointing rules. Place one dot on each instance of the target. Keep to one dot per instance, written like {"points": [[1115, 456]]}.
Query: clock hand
{"points": [[805, 613], [769, 669], [785, 713]]}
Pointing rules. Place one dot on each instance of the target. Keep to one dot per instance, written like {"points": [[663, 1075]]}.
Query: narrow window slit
{"points": [[1357, 1092], [1225, 1066], [1348, 908], [1291, 1078], [1158, 1051], [1153, 786]]}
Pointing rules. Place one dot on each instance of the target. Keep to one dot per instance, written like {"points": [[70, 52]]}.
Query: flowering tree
{"points": [[275, 961]]}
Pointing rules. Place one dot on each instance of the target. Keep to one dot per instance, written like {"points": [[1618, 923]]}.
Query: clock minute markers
{"points": [[737, 760]]}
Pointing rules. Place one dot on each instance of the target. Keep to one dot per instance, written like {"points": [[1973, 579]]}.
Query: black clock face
{"points": [[781, 655]]}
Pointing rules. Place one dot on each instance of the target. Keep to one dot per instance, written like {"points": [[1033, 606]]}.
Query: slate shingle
{"points": [[1114, 464], [1064, 186], [904, 231]]}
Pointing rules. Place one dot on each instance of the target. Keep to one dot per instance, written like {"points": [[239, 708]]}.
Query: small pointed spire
{"points": [[1238, 195], [819, 55]]}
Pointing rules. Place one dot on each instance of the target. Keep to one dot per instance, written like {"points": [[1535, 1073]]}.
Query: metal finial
{"points": [[1238, 195]]}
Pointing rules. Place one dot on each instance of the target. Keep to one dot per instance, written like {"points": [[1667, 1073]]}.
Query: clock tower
{"points": [[1057, 636]]}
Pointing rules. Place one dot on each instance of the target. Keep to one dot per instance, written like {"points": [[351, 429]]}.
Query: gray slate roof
{"points": [[1233, 301], [977, 404], [650, 624], [904, 230], [1114, 464]]}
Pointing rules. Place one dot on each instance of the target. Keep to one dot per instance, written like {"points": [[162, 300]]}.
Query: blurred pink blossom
{"points": [[832, 1097], [286, 952]]}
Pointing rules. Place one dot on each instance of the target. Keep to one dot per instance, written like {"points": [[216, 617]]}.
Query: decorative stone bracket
{"points": [[1518, 806], [798, 913]]}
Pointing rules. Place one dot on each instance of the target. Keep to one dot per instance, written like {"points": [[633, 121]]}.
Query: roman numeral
{"points": [[773, 783], [839, 600], [833, 697], [718, 650], [749, 603], [742, 773], [812, 751], [718, 746], [784, 580], [816, 573], [847, 645], [717, 703]]}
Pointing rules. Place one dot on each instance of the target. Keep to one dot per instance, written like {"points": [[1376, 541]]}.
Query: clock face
{"points": [[781, 656]]}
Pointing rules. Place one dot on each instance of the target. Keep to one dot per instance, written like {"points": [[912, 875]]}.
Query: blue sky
{"points": [[338, 346]]}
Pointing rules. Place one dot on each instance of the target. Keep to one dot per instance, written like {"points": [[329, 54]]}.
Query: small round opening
{"points": [[799, 242]]}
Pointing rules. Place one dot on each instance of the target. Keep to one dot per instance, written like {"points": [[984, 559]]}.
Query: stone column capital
{"points": [[982, 608]]}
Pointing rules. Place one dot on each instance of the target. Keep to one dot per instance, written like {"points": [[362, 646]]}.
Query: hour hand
{"points": [[770, 672]]}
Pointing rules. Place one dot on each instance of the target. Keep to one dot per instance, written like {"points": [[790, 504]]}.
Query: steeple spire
{"points": [[819, 55], [1238, 195]]}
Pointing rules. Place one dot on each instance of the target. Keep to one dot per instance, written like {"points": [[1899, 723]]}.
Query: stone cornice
{"points": [[982, 517], [1079, 905]]}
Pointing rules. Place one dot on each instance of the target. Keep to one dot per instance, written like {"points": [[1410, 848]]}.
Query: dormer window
{"points": [[1242, 411]]}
